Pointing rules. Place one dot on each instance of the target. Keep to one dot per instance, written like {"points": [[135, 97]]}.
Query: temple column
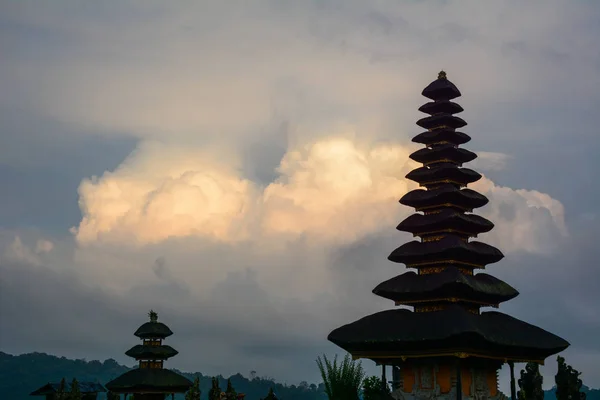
{"points": [[458, 381], [383, 378], [513, 388]]}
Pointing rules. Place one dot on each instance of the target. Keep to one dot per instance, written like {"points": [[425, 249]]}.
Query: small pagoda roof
{"points": [[404, 333], [441, 135], [153, 329], [161, 352], [448, 172], [448, 152], [447, 220], [466, 199], [443, 119], [480, 288], [156, 380], [444, 106], [441, 89], [84, 387], [451, 249]]}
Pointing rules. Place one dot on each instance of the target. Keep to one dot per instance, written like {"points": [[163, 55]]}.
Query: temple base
{"points": [[428, 379]]}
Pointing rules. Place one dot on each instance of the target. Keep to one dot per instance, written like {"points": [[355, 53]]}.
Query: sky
{"points": [[236, 167]]}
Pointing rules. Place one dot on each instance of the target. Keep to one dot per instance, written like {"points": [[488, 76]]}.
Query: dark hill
{"points": [[22, 374]]}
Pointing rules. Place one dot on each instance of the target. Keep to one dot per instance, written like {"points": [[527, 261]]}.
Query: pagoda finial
{"points": [[153, 316], [442, 75]]}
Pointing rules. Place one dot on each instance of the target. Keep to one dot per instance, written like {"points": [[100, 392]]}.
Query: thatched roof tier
{"points": [[441, 136], [443, 173], [405, 333], [447, 220], [443, 153], [444, 120], [441, 89], [151, 380], [443, 106], [410, 288], [449, 249], [153, 329], [141, 352], [444, 195]]}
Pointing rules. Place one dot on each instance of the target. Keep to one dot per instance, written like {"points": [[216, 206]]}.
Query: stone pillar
{"points": [[513, 388], [458, 381]]}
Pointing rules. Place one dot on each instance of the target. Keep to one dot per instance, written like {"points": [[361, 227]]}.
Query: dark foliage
{"points": [[342, 381], [112, 396], [530, 383], [373, 389], [75, 393], [194, 392], [230, 393], [270, 395], [568, 383], [61, 394], [215, 391]]}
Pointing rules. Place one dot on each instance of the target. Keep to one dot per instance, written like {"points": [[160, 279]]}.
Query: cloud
{"points": [[43, 246], [490, 161], [183, 72], [336, 190], [526, 220], [332, 189], [20, 253], [161, 192]]}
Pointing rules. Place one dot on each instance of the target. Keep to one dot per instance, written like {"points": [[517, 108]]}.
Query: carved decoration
{"points": [[480, 385], [426, 377]]}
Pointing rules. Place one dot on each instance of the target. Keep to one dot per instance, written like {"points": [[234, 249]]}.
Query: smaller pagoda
{"points": [[150, 381]]}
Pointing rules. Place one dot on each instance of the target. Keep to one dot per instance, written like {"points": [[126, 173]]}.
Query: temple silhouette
{"points": [[445, 347], [150, 381]]}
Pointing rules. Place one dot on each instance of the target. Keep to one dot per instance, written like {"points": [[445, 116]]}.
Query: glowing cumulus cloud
{"points": [[161, 192], [332, 190]]}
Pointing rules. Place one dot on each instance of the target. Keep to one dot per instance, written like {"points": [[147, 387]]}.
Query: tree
{"points": [[230, 393], [530, 383], [194, 392], [271, 395], [372, 388], [215, 391], [75, 393], [61, 393], [110, 395], [568, 383], [343, 381]]}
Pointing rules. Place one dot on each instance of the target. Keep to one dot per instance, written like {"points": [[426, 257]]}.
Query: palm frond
{"points": [[342, 381]]}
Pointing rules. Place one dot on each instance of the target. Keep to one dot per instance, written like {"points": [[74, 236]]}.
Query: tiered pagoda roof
{"points": [[150, 377], [446, 292]]}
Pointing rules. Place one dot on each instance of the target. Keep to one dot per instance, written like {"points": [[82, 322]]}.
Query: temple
{"points": [[445, 347], [88, 390], [150, 381]]}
